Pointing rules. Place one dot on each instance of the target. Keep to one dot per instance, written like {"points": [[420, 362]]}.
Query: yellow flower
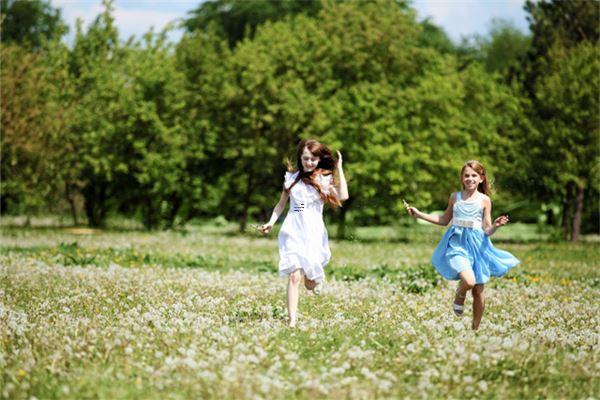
{"points": [[21, 373]]}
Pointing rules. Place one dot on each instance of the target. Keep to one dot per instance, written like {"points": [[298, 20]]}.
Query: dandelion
{"points": [[482, 386]]}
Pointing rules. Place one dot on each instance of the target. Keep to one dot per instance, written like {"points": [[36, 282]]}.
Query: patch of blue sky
{"points": [[459, 18]]}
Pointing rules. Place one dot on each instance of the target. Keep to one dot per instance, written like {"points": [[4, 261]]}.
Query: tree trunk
{"points": [[94, 195], [71, 202], [246, 203], [578, 211], [175, 203], [341, 232], [567, 212]]}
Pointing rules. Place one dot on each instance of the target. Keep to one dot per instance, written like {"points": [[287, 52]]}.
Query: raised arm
{"points": [[443, 219], [490, 227], [342, 187], [279, 207]]}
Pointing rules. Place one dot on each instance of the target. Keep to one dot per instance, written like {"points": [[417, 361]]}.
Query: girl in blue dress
{"points": [[465, 252]]}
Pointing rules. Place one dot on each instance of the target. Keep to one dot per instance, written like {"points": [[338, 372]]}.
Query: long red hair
{"points": [[485, 186], [324, 167]]}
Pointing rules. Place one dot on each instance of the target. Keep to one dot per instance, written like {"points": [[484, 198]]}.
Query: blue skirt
{"points": [[470, 248]]}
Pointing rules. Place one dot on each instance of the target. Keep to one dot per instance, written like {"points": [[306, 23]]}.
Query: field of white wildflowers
{"points": [[202, 315]]}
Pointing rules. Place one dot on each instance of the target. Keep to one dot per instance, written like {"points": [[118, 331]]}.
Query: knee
{"points": [[478, 291], [295, 278], [469, 284]]}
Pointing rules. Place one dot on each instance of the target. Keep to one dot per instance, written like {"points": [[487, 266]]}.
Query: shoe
{"points": [[318, 287], [458, 308], [291, 322]]}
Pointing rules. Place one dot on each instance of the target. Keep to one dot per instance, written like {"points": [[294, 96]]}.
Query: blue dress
{"points": [[466, 246]]}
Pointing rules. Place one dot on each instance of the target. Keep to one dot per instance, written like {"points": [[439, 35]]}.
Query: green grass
{"points": [[201, 313]]}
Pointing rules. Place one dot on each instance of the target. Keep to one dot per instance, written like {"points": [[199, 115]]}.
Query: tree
{"points": [[568, 91], [238, 19], [565, 36], [30, 22], [154, 146], [504, 47], [435, 37], [555, 22], [357, 78], [100, 94], [33, 119], [204, 58]]}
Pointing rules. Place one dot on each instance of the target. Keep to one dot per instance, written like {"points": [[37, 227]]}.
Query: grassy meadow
{"points": [[200, 313]]}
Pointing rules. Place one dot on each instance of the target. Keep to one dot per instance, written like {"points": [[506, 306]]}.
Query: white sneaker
{"points": [[292, 321], [318, 287]]}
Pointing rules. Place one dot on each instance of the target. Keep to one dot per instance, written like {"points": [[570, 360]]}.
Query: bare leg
{"points": [[292, 297], [478, 305], [467, 282]]}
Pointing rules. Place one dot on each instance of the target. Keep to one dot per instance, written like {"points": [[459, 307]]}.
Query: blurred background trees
{"points": [[167, 132]]}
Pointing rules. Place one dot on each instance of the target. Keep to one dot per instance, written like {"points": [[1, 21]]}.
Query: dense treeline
{"points": [[169, 132]]}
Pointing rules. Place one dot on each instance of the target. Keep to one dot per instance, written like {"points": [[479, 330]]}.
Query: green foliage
{"points": [[504, 47], [30, 22], [566, 23], [156, 145], [238, 19], [201, 129], [435, 37], [128, 126], [97, 70], [568, 95], [413, 279], [561, 79], [35, 114]]}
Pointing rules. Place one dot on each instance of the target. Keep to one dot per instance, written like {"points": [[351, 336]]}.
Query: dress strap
{"points": [[459, 195]]}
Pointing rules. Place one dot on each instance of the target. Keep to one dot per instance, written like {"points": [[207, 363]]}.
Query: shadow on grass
{"points": [[70, 229]]}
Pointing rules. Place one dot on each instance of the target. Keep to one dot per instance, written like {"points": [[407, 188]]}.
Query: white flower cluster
{"points": [[152, 332]]}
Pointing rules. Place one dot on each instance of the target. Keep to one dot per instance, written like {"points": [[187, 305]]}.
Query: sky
{"points": [[458, 18]]}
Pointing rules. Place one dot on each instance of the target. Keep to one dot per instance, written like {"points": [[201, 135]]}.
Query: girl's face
{"points": [[309, 160], [471, 179]]}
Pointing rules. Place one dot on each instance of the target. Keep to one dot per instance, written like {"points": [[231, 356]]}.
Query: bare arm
{"points": [[342, 187], [279, 207], [443, 219], [488, 227]]}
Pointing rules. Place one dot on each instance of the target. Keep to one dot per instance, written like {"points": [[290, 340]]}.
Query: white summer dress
{"points": [[303, 241]]}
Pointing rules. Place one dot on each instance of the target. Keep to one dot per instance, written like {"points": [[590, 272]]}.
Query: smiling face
{"points": [[309, 160], [470, 178]]}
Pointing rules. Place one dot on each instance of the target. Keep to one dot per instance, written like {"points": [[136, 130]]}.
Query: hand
{"points": [[412, 211], [265, 229], [501, 220], [339, 161]]}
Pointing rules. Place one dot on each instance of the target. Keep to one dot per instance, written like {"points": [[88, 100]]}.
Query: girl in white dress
{"points": [[303, 244]]}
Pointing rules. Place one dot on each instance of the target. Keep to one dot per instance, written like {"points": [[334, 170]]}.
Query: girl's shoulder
{"points": [[289, 179], [289, 175], [325, 177], [485, 198]]}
